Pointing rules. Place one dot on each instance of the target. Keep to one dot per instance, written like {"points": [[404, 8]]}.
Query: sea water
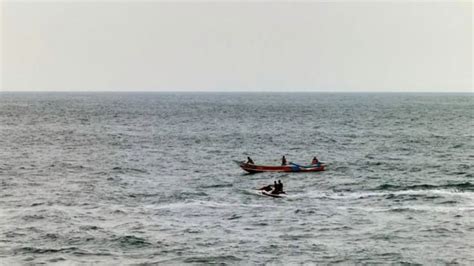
{"points": [[129, 178]]}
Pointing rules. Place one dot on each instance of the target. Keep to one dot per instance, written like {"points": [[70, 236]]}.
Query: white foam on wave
{"points": [[427, 208], [209, 204], [358, 195]]}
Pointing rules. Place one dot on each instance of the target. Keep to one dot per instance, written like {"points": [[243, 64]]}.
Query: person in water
{"points": [[283, 160], [280, 187], [276, 188], [249, 160], [315, 160]]}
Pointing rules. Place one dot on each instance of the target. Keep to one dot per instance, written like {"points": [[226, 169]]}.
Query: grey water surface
{"points": [[130, 178]]}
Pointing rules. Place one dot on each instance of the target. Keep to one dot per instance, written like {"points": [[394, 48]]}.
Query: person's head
{"points": [[279, 181], [274, 182]]}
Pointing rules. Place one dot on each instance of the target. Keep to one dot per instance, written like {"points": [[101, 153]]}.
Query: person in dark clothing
{"points": [[275, 188], [283, 160], [280, 186], [315, 160], [249, 160]]}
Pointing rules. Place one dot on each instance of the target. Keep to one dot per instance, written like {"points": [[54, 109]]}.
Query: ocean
{"points": [[149, 178]]}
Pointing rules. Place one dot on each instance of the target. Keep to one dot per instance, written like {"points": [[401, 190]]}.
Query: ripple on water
{"points": [[211, 260], [130, 241], [34, 250]]}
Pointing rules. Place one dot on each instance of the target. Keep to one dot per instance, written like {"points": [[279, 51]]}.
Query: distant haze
{"points": [[236, 46]]}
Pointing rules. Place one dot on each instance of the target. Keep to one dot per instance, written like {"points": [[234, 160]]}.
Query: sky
{"points": [[341, 46]]}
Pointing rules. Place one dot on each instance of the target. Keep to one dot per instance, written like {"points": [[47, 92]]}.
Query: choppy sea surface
{"points": [[131, 178]]}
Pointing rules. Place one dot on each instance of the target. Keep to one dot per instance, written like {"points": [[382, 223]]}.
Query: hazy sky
{"points": [[236, 46]]}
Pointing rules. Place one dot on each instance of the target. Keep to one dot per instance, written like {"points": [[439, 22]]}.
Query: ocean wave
{"points": [[33, 250], [212, 259], [466, 186], [416, 209], [131, 241], [218, 185], [124, 170], [395, 195]]}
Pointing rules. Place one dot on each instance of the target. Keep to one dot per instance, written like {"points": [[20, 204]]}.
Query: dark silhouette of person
{"points": [[315, 160], [275, 188], [249, 160], [280, 186], [283, 160]]}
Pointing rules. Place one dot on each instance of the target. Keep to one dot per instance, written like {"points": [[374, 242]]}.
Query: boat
{"points": [[267, 191], [279, 195], [292, 167]]}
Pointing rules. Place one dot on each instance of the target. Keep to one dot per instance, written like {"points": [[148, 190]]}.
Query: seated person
{"points": [[249, 160], [280, 186], [315, 160], [283, 160], [276, 188]]}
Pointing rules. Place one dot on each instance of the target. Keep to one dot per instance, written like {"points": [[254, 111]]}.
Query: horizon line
{"points": [[232, 91]]}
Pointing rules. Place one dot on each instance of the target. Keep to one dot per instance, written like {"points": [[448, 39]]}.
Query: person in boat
{"points": [[249, 160], [315, 160], [283, 160]]}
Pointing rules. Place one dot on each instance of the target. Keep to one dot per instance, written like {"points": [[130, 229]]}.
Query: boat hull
{"points": [[269, 194], [252, 168]]}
